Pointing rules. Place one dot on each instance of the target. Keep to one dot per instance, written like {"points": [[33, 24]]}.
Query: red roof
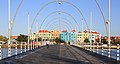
{"points": [[14, 37], [94, 32], [73, 30], [79, 32], [64, 30], [43, 31], [115, 36]]}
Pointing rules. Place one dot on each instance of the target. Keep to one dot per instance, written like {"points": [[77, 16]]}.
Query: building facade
{"points": [[94, 36], [44, 35], [81, 36], [73, 36], [64, 35], [55, 34], [32, 36]]}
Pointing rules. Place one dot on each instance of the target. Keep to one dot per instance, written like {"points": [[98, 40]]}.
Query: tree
{"points": [[22, 38], [3, 38], [104, 41], [58, 40], [86, 40]]}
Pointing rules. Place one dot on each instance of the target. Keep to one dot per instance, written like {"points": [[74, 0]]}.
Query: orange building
{"points": [[55, 34]]}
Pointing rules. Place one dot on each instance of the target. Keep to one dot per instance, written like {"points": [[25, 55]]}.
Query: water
{"points": [[113, 53], [5, 52]]}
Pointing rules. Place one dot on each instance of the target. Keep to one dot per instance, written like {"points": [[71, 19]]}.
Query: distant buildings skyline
{"points": [[66, 36]]}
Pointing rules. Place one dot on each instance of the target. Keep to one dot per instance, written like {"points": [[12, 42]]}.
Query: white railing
{"points": [[102, 49]]}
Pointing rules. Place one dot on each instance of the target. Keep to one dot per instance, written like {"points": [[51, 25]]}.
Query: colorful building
{"points": [[64, 35], [94, 36], [55, 34], [44, 34], [81, 36], [32, 36], [73, 36]]}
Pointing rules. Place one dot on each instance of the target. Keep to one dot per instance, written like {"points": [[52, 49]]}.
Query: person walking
{"points": [[47, 43]]}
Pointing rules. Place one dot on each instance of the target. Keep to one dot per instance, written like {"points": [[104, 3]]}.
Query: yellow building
{"points": [[82, 36], [55, 34], [33, 36], [44, 34]]}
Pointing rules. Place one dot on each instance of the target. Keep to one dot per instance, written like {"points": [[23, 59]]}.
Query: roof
{"points": [[73, 30], [56, 31], [43, 31], [79, 32], [85, 31], [14, 37], [94, 32], [64, 30], [115, 36]]}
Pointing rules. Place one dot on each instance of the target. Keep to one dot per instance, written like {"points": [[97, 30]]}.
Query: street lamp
{"points": [[109, 28], [9, 30], [59, 2]]}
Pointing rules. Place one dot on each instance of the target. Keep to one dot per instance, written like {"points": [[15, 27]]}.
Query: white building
{"points": [[94, 36]]}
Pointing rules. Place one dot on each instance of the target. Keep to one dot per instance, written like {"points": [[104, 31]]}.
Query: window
{"points": [[80, 34], [84, 34]]}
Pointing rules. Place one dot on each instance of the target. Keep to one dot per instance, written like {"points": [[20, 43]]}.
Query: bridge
{"points": [[59, 54], [70, 39]]}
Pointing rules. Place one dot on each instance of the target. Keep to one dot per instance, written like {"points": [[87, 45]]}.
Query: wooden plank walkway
{"points": [[55, 54]]}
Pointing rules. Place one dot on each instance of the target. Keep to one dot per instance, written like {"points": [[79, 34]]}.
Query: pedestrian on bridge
{"points": [[47, 43]]}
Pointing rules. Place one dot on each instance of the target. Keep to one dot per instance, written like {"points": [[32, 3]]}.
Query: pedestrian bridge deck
{"points": [[58, 54]]}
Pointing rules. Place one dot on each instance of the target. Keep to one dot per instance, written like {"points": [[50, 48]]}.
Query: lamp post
{"points": [[28, 33], [37, 34], [108, 28], [0, 51], [9, 30], [90, 31]]}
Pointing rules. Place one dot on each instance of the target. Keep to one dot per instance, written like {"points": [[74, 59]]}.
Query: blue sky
{"points": [[33, 6]]}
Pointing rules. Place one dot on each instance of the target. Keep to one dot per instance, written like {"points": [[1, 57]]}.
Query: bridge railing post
{"points": [[97, 48], [102, 49], [0, 51], [21, 48], [85, 46], [118, 52], [93, 47], [89, 46], [25, 47], [16, 49], [31, 45]]}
